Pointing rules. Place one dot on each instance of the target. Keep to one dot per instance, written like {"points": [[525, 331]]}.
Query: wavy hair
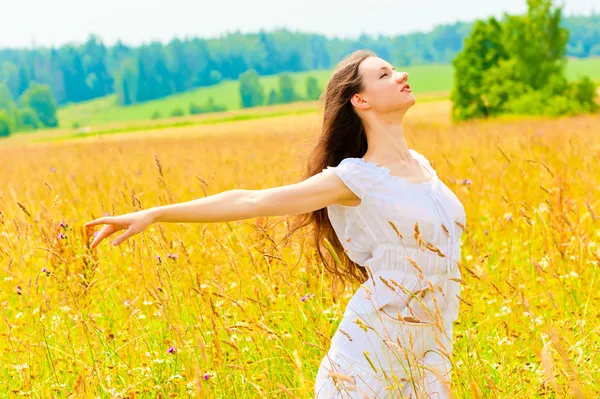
{"points": [[343, 135]]}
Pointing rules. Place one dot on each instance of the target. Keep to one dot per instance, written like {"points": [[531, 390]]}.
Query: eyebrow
{"points": [[384, 67]]}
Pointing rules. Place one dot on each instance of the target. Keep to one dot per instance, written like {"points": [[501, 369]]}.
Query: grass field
{"points": [[427, 81], [215, 310]]}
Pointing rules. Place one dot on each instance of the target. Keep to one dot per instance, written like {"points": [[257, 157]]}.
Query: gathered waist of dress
{"points": [[425, 261]]}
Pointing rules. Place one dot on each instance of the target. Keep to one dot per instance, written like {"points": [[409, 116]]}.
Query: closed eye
{"points": [[385, 74]]}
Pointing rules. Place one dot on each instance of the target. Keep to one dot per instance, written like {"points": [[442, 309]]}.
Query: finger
{"points": [[128, 233], [103, 220], [102, 234]]}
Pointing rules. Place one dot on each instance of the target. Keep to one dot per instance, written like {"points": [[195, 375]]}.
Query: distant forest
{"points": [[85, 71]]}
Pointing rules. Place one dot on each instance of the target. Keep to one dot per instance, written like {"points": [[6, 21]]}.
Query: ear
{"points": [[359, 102]]}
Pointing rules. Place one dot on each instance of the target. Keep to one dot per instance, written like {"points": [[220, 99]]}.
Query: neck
{"points": [[386, 141]]}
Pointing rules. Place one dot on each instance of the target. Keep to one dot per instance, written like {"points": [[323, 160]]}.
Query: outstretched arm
{"points": [[316, 192]]}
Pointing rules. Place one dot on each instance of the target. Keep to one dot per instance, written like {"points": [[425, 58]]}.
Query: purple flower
{"points": [[53, 169], [61, 236], [304, 298], [206, 376], [467, 182], [171, 349], [61, 224], [172, 256], [127, 302], [43, 270]]}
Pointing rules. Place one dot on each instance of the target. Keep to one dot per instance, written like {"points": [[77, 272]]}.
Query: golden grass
{"points": [[226, 298]]}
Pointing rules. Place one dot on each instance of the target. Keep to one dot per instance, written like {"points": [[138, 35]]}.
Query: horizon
{"points": [[19, 35]]}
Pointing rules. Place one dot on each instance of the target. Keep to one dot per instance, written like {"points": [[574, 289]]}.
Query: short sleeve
{"points": [[353, 175]]}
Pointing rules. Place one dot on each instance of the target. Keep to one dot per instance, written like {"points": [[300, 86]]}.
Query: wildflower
{"points": [[172, 256], [53, 169], [304, 298], [127, 302], [467, 181], [171, 349], [206, 376], [61, 236], [44, 270], [61, 224]]}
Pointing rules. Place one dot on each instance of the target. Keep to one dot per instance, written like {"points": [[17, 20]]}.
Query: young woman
{"points": [[394, 223]]}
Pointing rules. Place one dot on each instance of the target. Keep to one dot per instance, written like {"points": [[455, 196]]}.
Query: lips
{"points": [[406, 89]]}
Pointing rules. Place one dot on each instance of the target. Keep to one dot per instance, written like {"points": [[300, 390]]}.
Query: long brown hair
{"points": [[342, 136]]}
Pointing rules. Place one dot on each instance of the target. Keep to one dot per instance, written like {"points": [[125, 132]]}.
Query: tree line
{"points": [[136, 74]]}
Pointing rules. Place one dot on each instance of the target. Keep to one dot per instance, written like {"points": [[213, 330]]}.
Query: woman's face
{"points": [[384, 89]]}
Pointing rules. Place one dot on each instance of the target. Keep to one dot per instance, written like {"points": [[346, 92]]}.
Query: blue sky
{"points": [[45, 23]]}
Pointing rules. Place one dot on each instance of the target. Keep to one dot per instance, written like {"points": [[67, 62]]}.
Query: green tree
{"points": [[518, 67], [4, 124], [313, 91], [537, 42], [287, 91], [8, 105], [273, 97], [127, 81], [482, 51], [9, 74], [39, 98], [177, 112], [251, 90], [28, 119]]}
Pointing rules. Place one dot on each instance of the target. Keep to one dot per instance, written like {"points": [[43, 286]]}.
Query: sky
{"points": [[44, 23]]}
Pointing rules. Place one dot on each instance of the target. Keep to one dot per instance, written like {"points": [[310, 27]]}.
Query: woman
{"points": [[382, 207]]}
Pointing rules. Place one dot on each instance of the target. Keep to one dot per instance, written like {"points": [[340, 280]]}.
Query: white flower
{"points": [[20, 367]]}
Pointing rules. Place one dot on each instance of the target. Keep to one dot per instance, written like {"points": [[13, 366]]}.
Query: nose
{"points": [[401, 76]]}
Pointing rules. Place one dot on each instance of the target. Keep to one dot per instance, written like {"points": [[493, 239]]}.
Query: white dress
{"points": [[395, 337]]}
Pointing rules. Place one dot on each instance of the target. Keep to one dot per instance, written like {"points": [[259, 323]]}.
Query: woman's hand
{"points": [[135, 223]]}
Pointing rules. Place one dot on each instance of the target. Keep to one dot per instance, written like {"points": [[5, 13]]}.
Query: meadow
{"points": [[223, 310], [428, 81]]}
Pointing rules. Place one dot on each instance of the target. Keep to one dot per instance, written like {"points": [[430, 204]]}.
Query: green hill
{"points": [[425, 79]]}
